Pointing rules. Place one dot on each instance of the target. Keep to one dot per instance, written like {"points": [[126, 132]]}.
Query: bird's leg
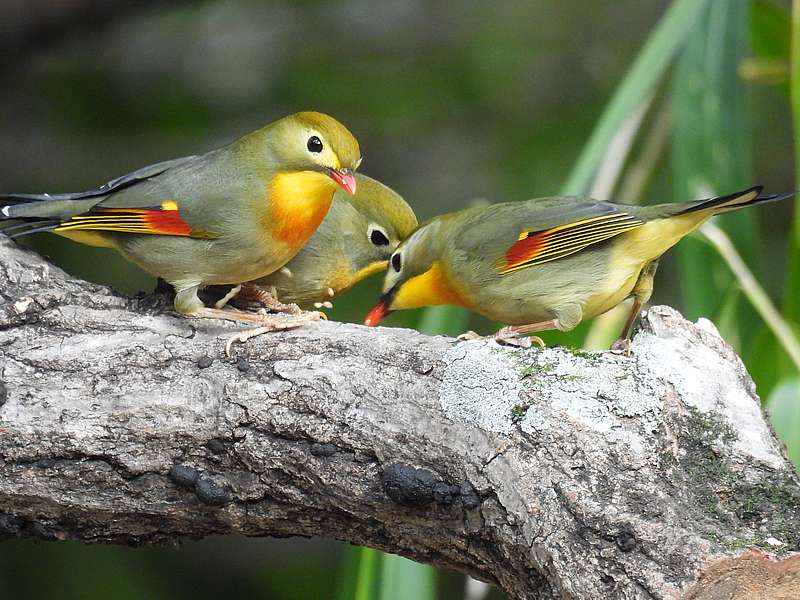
{"points": [[230, 314], [512, 335], [188, 304], [232, 293], [567, 318], [264, 323], [267, 298], [623, 343], [273, 324], [642, 291]]}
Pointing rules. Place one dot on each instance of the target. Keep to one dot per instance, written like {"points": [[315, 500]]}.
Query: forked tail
{"points": [[22, 214], [735, 201]]}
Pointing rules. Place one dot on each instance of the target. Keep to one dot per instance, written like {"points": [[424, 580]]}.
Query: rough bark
{"points": [[551, 473]]}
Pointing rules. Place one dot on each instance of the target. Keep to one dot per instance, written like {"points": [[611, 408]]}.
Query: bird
{"points": [[230, 215], [355, 240], [546, 263]]}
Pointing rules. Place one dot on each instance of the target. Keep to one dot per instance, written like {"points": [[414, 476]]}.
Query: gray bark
{"points": [[550, 473]]}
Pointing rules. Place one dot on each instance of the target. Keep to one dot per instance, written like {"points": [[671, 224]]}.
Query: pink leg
{"points": [[513, 331]]}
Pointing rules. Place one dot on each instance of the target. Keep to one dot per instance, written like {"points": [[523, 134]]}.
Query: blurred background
{"points": [[453, 102]]}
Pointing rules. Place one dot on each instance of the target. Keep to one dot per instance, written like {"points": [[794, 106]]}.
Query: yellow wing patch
{"points": [[162, 220], [538, 247]]}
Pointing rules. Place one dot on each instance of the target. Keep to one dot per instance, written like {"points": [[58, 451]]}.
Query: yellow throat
{"points": [[427, 289]]}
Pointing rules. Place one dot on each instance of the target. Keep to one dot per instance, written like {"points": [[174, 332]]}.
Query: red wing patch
{"points": [[538, 247], [165, 220]]}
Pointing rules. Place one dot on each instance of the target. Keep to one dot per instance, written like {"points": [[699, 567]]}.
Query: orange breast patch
{"points": [[298, 202]]}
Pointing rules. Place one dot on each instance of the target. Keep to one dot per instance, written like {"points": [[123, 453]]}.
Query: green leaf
{"points": [[640, 82], [368, 577], [784, 412], [770, 29], [770, 42], [368, 574], [350, 571], [791, 302], [710, 156], [402, 579]]}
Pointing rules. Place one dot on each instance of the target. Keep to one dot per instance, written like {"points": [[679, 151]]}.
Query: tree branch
{"points": [[552, 473]]}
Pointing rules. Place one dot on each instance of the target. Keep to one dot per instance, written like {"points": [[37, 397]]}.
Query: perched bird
{"points": [[546, 263], [355, 240], [231, 215]]}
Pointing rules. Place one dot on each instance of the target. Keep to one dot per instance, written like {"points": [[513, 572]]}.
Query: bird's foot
{"points": [[267, 300], [507, 336], [469, 336], [232, 293], [622, 346], [269, 324]]}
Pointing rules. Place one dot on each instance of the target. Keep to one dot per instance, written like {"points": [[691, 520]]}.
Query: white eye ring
{"points": [[377, 235]]}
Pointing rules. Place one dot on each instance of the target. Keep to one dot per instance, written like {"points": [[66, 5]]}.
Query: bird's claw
{"points": [[505, 337], [516, 341], [268, 300], [469, 336], [508, 336], [274, 324], [622, 346]]}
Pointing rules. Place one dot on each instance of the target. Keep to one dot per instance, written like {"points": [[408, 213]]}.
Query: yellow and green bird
{"points": [[354, 241], [231, 215], [546, 263]]}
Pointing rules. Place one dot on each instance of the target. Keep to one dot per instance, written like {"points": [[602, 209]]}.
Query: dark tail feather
{"points": [[74, 199], [8, 201], [735, 201], [14, 226], [15, 229], [11, 199], [21, 198], [772, 198]]}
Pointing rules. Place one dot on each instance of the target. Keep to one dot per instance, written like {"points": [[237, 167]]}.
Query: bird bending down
{"points": [[546, 263], [231, 215], [354, 241]]}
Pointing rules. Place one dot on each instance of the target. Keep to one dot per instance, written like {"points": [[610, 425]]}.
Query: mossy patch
{"points": [[518, 412], [535, 369], [533, 366], [743, 513], [588, 355]]}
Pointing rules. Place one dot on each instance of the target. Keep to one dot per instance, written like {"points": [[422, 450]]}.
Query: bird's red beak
{"points": [[345, 178], [378, 312]]}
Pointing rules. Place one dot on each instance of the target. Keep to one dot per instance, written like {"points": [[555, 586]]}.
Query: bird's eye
{"points": [[396, 262], [377, 237], [314, 144]]}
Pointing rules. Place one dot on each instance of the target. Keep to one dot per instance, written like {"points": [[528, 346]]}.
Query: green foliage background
{"points": [[452, 103]]}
